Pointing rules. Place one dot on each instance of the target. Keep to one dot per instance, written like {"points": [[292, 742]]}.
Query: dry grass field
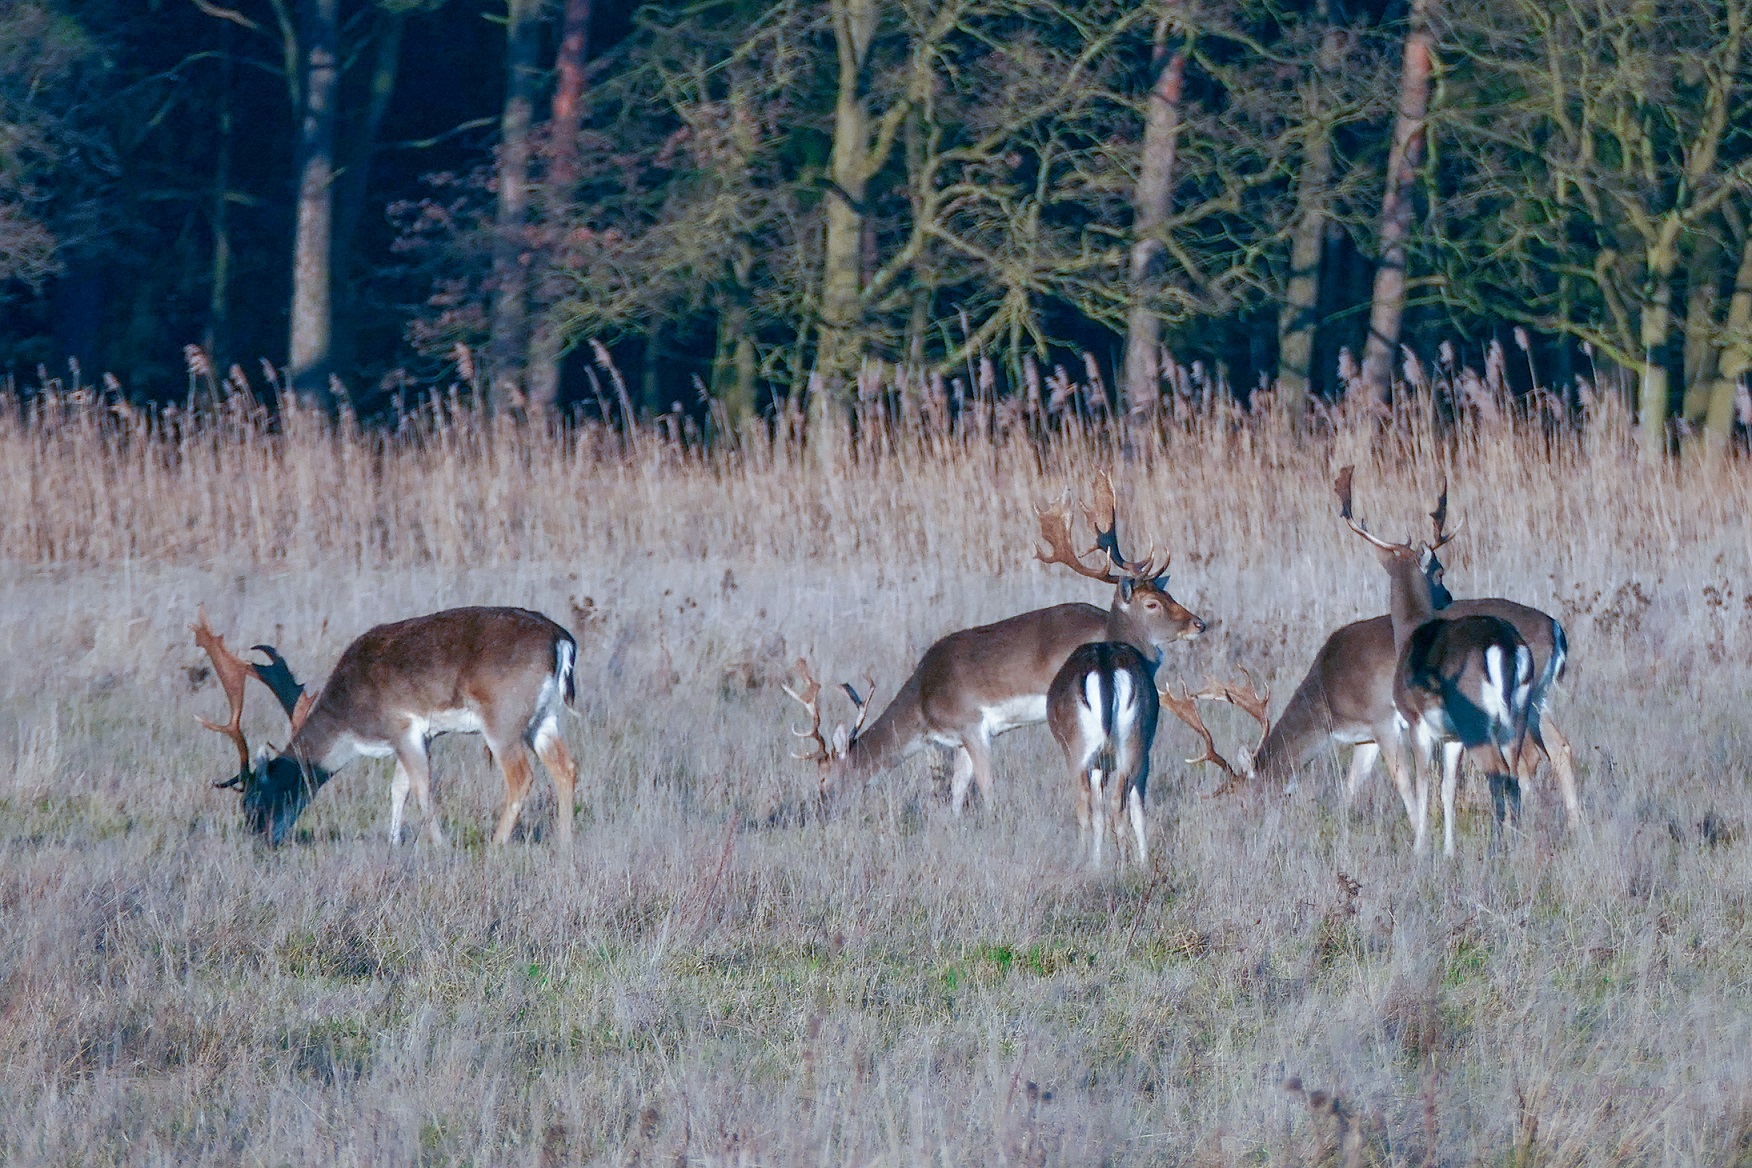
{"points": [[720, 974]]}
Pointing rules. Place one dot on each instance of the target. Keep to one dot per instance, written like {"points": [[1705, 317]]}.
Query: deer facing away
{"points": [[975, 684], [1465, 682], [1347, 696], [1102, 707], [503, 673]]}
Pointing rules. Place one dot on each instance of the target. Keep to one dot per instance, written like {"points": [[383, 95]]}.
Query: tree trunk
{"points": [[1296, 321], [1701, 295], [849, 170], [1735, 359], [1656, 329], [352, 183], [1387, 304], [217, 341], [310, 357], [510, 285], [1152, 200], [733, 365], [569, 61]]}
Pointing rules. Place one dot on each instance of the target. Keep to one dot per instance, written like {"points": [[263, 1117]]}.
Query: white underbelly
{"points": [[1007, 715]]}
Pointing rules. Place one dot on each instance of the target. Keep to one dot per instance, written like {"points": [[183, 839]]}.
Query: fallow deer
{"points": [[503, 673], [1464, 680], [975, 684], [1102, 707]]}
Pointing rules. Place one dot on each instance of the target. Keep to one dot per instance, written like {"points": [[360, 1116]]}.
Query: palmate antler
{"points": [[234, 674], [809, 694], [1055, 530], [1251, 701]]}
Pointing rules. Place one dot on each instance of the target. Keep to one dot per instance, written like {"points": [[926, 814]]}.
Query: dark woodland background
{"points": [[738, 203]]}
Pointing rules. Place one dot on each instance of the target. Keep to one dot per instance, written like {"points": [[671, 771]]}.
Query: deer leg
{"points": [[398, 797], [963, 774], [1362, 761], [551, 749], [1498, 795], [1401, 758], [1134, 802], [979, 751], [412, 761], [514, 765], [1450, 787], [1557, 748], [1098, 800], [1080, 781]]}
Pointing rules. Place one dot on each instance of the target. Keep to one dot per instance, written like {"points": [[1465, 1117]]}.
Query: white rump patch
{"points": [[1495, 698]]}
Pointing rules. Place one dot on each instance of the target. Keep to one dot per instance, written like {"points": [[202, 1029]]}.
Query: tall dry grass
{"points": [[720, 974]]}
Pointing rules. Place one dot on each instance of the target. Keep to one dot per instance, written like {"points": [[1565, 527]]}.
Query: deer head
{"points": [[273, 787], [824, 752], [1141, 595]]}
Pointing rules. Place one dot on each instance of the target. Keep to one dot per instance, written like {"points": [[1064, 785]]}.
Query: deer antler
{"points": [[1103, 517], [1342, 487], [1185, 707], [809, 696], [1439, 518], [861, 704], [233, 673], [1251, 701], [1055, 529]]}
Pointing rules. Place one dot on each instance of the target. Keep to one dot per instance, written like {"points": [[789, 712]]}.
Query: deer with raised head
{"points": [[1102, 708], [1462, 682], [978, 683], [503, 673], [1346, 698]]}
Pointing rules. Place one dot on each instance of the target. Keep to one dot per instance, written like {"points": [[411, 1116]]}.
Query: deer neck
{"points": [[897, 732], [1412, 603], [319, 745]]}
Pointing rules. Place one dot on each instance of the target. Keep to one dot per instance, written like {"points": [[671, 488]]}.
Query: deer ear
{"points": [[1126, 587], [842, 738], [1160, 583]]}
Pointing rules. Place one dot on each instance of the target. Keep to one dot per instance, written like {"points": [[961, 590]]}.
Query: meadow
{"points": [[723, 973]]}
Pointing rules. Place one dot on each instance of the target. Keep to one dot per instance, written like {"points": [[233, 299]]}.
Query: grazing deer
{"points": [[503, 673], [975, 684], [1465, 682], [1102, 707], [1347, 696]]}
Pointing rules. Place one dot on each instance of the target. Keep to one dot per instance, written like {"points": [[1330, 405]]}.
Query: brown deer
{"points": [[1347, 696], [503, 673], [975, 684], [1102, 707], [1462, 680]]}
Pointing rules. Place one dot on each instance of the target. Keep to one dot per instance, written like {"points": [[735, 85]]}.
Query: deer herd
{"points": [[1471, 677]]}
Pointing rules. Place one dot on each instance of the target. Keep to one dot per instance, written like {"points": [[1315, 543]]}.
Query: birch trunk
{"points": [[1734, 361], [1296, 321], [1387, 304], [310, 356], [1152, 201], [850, 170]]}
